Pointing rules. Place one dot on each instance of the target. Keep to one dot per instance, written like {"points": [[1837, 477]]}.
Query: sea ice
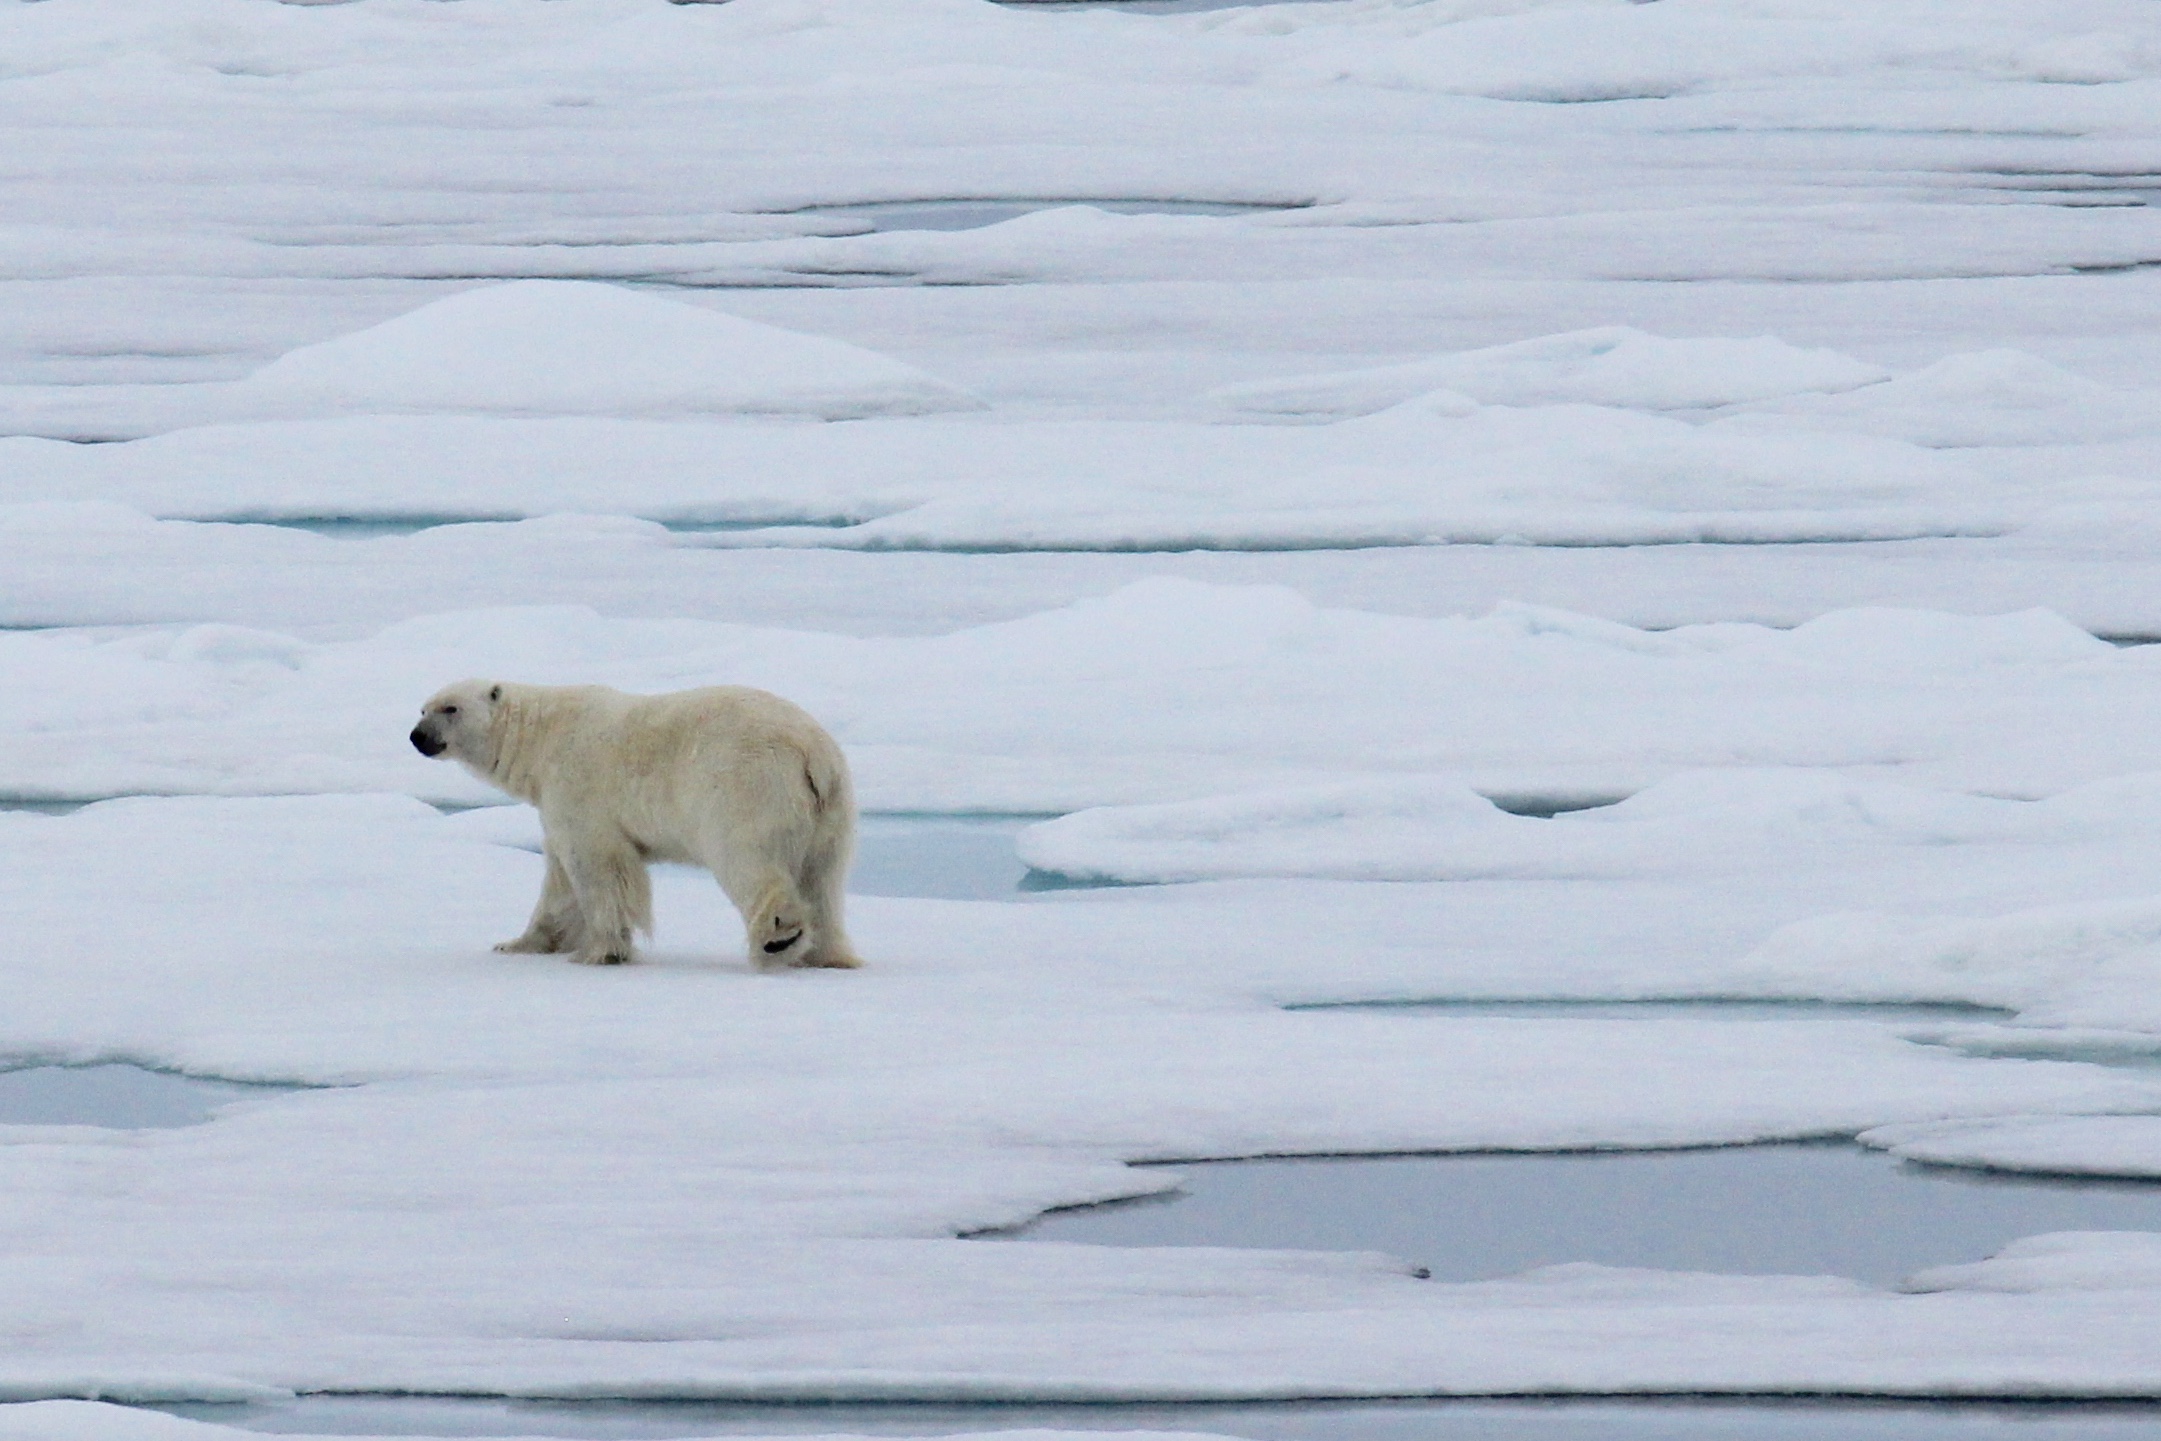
{"points": [[638, 1111], [1738, 410], [1418, 473], [1165, 689], [1418, 828], [1999, 397], [1613, 366], [552, 347], [2050, 1145], [2059, 1261]]}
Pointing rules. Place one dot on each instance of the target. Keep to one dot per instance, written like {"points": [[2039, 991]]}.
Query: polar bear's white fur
{"points": [[735, 780]]}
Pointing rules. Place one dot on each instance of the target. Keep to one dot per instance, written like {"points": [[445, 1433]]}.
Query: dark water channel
{"points": [[1799, 1209], [946, 857], [117, 1095], [41, 807]]}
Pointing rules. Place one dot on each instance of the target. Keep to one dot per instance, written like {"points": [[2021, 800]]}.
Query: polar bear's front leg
{"points": [[555, 925], [614, 896]]}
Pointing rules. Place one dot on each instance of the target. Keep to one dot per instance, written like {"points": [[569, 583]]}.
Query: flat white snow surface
{"points": [[1734, 425]]}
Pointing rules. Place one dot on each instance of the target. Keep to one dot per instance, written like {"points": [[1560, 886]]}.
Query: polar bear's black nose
{"points": [[426, 744]]}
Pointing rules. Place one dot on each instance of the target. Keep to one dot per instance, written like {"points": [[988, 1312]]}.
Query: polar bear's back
{"points": [[730, 739], [727, 772], [670, 767], [720, 715]]}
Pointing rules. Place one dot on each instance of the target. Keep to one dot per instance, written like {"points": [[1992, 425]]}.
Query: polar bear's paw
{"points": [[616, 955], [530, 945], [778, 927]]}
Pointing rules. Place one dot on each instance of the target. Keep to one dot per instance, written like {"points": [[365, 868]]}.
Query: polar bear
{"points": [[733, 779]]}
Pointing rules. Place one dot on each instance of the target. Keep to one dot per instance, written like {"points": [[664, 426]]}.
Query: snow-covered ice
{"points": [[552, 347], [1167, 689], [554, 1101], [1615, 366], [1439, 499]]}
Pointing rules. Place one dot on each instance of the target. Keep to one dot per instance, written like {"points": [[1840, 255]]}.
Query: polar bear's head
{"points": [[457, 721]]}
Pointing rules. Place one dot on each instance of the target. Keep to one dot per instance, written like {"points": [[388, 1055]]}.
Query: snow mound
{"points": [[1897, 636], [1988, 397], [554, 347], [2059, 1261], [1379, 830], [1612, 365], [2092, 964]]}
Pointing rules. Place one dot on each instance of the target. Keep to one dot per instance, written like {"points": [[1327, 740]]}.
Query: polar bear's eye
{"points": [[450, 710]]}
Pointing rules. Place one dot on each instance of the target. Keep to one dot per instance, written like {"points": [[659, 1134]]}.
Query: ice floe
{"points": [[1420, 473], [1418, 828], [2001, 397], [1167, 689], [1735, 411], [492, 1105], [2115, 1146], [1574, 445]]}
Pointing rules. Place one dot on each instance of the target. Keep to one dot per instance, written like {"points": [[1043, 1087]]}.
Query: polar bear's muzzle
{"points": [[427, 742]]}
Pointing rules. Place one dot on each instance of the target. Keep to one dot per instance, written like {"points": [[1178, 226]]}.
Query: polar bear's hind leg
{"points": [[765, 832], [778, 922], [824, 883]]}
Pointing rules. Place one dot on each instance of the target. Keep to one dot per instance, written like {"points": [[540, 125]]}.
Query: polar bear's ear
{"points": [[495, 693]]}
